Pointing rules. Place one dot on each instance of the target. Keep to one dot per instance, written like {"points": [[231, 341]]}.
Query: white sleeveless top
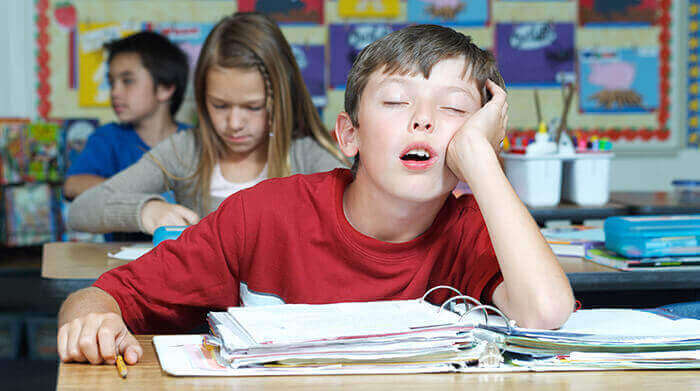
{"points": [[222, 188]]}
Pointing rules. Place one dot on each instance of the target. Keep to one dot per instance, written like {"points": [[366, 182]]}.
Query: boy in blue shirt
{"points": [[148, 78]]}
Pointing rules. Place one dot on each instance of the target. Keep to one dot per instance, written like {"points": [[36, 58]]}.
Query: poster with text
{"points": [[619, 80], [92, 68], [286, 11], [312, 64], [189, 37], [346, 42], [369, 8], [457, 12], [618, 12], [536, 54]]}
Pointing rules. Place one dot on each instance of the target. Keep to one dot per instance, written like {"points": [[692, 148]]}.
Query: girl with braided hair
{"points": [[256, 121]]}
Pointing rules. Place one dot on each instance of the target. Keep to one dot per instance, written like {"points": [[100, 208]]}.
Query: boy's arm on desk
{"points": [[91, 329]]}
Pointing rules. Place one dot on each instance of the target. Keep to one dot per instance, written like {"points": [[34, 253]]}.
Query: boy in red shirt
{"points": [[416, 108]]}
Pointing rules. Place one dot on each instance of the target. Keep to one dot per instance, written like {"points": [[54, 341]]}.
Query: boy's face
{"points": [[132, 90], [405, 125]]}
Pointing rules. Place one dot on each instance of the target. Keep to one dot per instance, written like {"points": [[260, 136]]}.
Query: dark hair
{"points": [[416, 49], [165, 62]]}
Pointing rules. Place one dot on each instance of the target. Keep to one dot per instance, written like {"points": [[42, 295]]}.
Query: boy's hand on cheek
{"points": [[484, 130]]}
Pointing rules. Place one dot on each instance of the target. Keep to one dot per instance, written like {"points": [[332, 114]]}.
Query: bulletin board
{"points": [[693, 74], [618, 53]]}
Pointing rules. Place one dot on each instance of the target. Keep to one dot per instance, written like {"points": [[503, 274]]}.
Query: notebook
{"points": [[574, 240]]}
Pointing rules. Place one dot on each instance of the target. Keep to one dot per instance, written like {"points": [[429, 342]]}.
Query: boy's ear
{"points": [[164, 93], [348, 139]]}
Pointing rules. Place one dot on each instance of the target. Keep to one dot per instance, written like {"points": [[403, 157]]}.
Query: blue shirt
{"points": [[110, 149]]}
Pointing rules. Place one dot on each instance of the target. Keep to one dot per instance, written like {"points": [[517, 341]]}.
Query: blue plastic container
{"points": [[653, 236], [167, 232]]}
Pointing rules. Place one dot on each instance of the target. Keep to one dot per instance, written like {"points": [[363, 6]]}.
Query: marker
{"points": [[594, 143], [121, 366]]}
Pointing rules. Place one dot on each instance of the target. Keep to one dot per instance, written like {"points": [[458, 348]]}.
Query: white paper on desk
{"points": [[298, 323], [129, 253], [182, 355]]}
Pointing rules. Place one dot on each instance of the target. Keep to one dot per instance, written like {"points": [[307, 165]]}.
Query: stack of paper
{"points": [[413, 336], [603, 256], [387, 333], [606, 338]]}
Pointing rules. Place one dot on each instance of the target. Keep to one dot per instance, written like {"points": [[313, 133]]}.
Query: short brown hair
{"points": [[416, 49]]}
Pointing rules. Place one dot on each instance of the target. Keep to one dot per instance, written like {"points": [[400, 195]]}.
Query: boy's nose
{"points": [[422, 124]]}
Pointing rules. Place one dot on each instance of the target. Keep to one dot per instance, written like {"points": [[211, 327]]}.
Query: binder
{"points": [[414, 336]]}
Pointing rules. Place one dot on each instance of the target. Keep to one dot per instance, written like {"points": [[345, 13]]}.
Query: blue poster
{"points": [[619, 80], [312, 64], [455, 12], [536, 53]]}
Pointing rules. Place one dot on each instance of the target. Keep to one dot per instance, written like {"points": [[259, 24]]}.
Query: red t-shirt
{"points": [[286, 240]]}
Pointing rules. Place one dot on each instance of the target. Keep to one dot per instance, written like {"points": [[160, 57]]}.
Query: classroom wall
{"points": [[641, 171]]}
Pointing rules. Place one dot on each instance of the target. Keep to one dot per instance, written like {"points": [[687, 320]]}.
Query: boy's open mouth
{"points": [[416, 154]]}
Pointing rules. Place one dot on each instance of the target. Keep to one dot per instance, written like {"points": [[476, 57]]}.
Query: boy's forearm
{"points": [[86, 301], [537, 292], [77, 184]]}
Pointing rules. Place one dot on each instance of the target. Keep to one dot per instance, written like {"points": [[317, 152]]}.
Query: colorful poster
{"points": [[346, 42], [190, 38], [618, 12], [42, 144], [286, 11], [13, 150], [312, 64], [75, 134], [29, 214], [619, 80], [536, 54], [92, 65], [458, 12], [369, 8]]}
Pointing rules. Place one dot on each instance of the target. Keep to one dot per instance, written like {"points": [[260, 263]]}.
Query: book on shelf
{"points": [[573, 240], [602, 256]]}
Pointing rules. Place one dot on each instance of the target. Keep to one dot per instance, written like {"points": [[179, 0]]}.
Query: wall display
{"points": [[694, 74], [536, 54], [621, 80], [539, 46], [617, 12], [286, 11], [456, 12], [369, 8]]}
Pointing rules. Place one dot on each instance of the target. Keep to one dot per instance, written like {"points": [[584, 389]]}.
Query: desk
{"points": [[576, 213], [67, 267], [655, 203], [147, 375]]}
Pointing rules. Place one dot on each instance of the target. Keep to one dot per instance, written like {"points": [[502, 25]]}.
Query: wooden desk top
{"points": [[67, 267], [147, 375], [68, 260], [657, 202]]}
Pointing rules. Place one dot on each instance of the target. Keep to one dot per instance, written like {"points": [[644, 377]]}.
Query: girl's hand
{"points": [[157, 213], [486, 127]]}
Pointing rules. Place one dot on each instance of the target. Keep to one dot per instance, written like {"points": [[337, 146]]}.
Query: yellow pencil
{"points": [[121, 366]]}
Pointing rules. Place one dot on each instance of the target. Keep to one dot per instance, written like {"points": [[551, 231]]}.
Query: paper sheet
{"points": [[130, 253]]}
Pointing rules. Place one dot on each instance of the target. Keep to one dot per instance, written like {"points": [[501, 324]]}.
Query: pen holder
{"points": [[535, 178], [586, 178]]}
